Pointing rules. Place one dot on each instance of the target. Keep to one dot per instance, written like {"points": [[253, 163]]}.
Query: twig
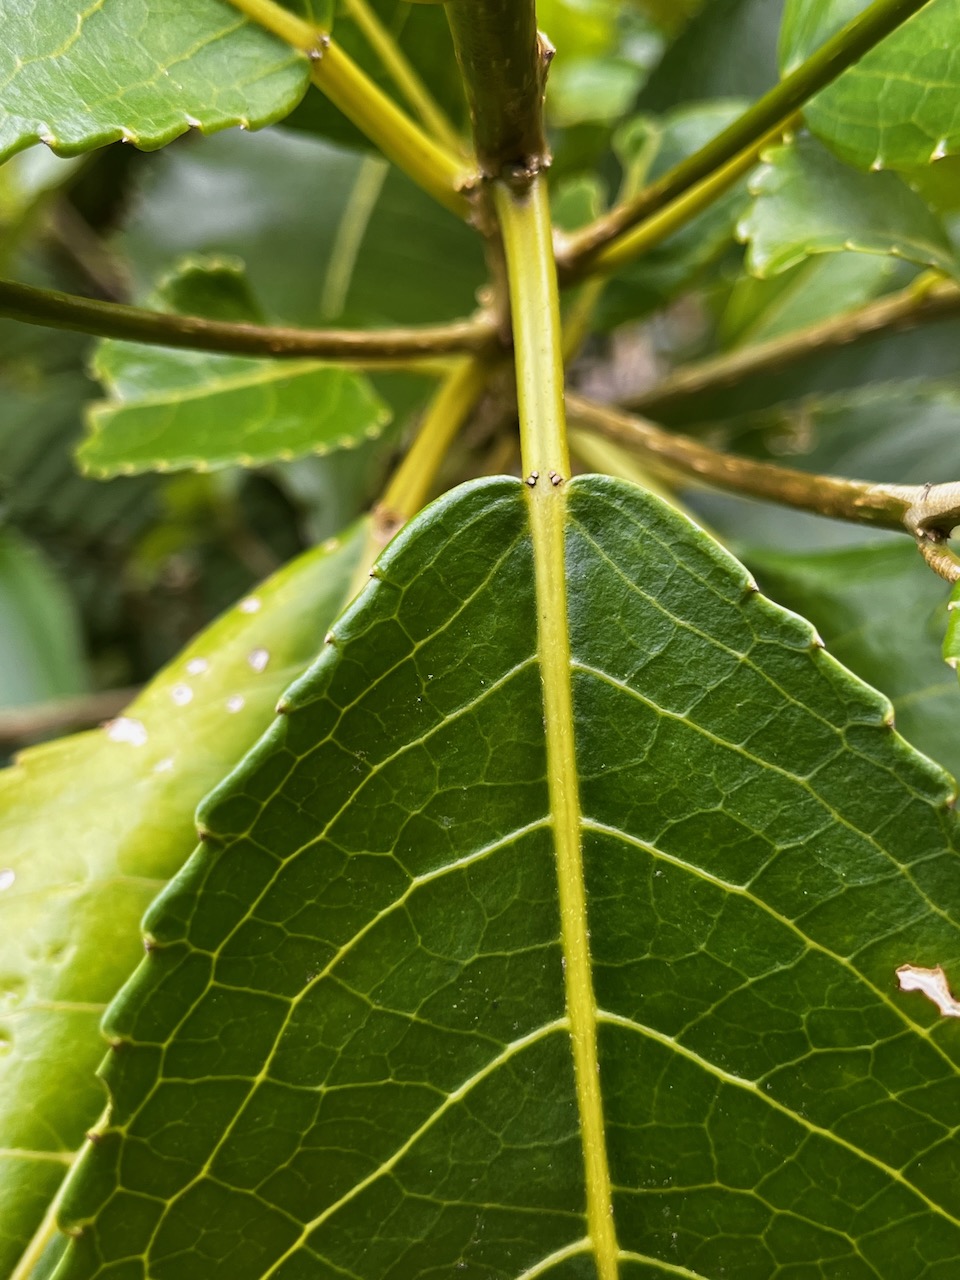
{"points": [[922, 302], [772, 111], [928, 512], [441, 173], [403, 75], [504, 61], [135, 324]]}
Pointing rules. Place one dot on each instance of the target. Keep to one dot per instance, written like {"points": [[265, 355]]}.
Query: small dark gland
{"points": [[532, 478], [555, 479]]}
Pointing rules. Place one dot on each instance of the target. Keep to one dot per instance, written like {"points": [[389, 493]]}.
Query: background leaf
{"points": [[647, 148], [897, 107], [40, 651], [282, 203], [806, 202], [171, 409], [78, 78], [347, 1050], [91, 827]]}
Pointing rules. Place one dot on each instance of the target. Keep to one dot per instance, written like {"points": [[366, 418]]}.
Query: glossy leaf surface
{"points": [[348, 1050], [78, 77], [90, 828], [897, 107], [171, 409], [807, 202]]}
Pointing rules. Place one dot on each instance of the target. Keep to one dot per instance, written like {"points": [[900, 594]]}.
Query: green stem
{"points": [[772, 111], [440, 173], [926, 300], [413, 481], [403, 75], [504, 63], [535, 310], [664, 223], [928, 512], [531, 271], [394, 347]]}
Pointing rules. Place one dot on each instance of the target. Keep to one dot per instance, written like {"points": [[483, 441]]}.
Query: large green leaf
{"points": [[378, 1015], [807, 202], [78, 77], [171, 409], [91, 827], [897, 107]]}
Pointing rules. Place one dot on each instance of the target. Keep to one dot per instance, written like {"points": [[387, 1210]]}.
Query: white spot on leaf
{"points": [[7, 877], [235, 703], [933, 984], [258, 659], [126, 729], [197, 666], [250, 605], [181, 694], [164, 765]]}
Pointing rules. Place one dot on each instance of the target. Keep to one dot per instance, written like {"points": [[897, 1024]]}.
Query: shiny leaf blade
{"points": [[77, 78], [348, 1051], [171, 409], [246, 412], [91, 827], [897, 107], [807, 202]]}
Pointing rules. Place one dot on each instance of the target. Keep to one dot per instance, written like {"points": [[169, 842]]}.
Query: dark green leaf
{"points": [[897, 107], [91, 827], [171, 409], [77, 78], [40, 651], [730, 48], [325, 234], [348, 1051], [806, 202]]}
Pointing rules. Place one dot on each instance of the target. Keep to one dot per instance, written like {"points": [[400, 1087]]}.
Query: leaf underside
{"points": [[347, 1052]]}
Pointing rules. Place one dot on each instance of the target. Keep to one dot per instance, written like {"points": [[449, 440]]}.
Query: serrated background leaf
{"points": [[77, 78], [358, 980], [807, 202], [171, 409], [897, 107], [90, 828]]}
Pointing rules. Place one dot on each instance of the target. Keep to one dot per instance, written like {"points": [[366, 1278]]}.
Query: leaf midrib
{"points": [[546, 506]]}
